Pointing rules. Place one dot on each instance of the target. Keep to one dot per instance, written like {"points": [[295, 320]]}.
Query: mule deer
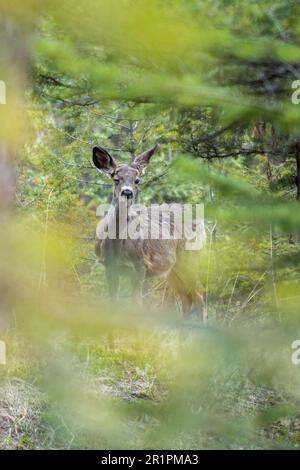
{"points": [[145, 256]]}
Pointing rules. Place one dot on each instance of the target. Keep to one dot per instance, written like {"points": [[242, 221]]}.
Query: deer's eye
{"points": [[137, 181], [116, 181]]}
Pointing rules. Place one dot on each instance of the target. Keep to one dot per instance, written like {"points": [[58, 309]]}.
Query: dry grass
{"points": [[131, 373], [21, 407]]}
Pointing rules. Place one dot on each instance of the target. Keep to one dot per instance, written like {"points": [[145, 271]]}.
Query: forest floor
{"points": [[30, 420]]}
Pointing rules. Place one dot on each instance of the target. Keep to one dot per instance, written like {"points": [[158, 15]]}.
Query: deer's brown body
{"points": [[143, 257]]}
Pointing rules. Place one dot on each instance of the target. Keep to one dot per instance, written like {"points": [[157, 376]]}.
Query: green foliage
{"points": [[211, 82]]}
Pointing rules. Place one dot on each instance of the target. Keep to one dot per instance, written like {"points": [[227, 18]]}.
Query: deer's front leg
{"points": [[137, 282], [112, 277]]}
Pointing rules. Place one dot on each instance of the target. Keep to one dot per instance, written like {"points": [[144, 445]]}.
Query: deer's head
{"points": [[125, 177]]}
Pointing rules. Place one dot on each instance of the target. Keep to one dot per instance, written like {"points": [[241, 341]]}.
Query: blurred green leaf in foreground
{"points": [[212, 82]]}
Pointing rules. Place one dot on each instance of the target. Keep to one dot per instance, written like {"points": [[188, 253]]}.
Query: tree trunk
{"points": [[13, 67]]}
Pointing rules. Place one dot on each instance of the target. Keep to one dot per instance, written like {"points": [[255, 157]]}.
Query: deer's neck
{"points": [[121, 211]]}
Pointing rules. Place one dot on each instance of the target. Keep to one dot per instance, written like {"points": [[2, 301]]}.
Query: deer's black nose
{"points": [[127, 193]]}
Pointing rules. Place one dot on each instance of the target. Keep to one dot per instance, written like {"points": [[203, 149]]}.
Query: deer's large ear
{"points": [[103, 161], [142, 160]]}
